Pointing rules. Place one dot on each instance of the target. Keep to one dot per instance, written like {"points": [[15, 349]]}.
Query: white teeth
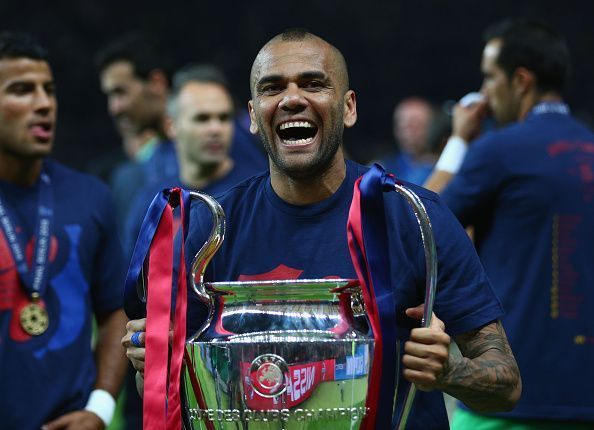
{"points": [[298, 141], [304, 124]]}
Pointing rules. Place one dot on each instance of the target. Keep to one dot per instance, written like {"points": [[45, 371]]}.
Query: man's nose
{"points": [[293, 99], [43, 102], [115, 105]]}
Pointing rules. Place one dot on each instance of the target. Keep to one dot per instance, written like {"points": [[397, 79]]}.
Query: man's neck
{"points": [[20, 171], [199, 176], [535, 98], [304, 191]]}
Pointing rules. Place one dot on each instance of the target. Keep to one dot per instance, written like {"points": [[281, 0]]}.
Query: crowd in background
{"points": [[184, 128]]}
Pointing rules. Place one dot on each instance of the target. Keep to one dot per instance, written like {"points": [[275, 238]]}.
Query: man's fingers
{"points": [[136, 325], [434, 366], [138, 364], [423, 381], [58, 423]]}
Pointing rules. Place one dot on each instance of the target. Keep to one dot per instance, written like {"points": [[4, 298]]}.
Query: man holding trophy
{"points": [[290, 224]]}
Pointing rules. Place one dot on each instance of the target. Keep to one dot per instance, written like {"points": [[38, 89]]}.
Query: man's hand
{"points": [[467, 121], [135, 354], [426, 353], [77, 420]]}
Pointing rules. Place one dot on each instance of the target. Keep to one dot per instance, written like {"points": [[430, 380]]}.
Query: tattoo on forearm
{"points": [[486, 378]]}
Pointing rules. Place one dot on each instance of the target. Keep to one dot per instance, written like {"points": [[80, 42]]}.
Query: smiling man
{"points": [[60, 263], [290, 223]]}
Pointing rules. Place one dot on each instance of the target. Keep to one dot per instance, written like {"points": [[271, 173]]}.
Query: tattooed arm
{"points": [[485, 376]]}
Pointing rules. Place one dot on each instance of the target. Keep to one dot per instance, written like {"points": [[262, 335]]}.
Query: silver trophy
{"points": [[285, 354]]}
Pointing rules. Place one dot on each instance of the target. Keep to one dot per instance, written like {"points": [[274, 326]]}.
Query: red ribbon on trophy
{"points": [[163, 361]]}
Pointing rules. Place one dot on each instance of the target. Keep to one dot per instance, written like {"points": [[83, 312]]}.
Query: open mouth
{"points": [[42, 131], [297, 132]]}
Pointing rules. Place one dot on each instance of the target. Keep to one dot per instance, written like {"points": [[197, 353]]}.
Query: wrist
{"points": [[102, 404], [452, 156]]}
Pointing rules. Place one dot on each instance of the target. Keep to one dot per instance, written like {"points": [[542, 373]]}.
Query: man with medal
{"points": [[528, 191], [60, 264], [291, 223]]}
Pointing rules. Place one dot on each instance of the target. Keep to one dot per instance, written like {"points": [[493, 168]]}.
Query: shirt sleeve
{"points": [[472, 192], [464, 297]]}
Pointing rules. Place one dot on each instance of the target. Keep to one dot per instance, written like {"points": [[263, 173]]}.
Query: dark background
{"points": [[394, 49]]}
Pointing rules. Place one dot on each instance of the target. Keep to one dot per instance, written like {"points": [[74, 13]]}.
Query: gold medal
{"points": [[34, 318]]}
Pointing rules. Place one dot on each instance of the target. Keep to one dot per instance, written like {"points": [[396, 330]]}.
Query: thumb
{"points": [[416, 312]]}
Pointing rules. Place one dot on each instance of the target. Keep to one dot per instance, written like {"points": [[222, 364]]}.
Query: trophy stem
{"points": [[430, 281]]}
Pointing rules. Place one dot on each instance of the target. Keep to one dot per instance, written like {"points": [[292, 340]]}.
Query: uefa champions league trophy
{"points": [[286, 354]]}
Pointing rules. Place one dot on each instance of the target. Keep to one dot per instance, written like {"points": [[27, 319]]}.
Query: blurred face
{"points": [[497, 86], [203, 125], [299, 106], [27, 108], [411, 126], [130, 100]]}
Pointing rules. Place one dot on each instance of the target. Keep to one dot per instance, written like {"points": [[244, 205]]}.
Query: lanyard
{"points": [[35, 277]]}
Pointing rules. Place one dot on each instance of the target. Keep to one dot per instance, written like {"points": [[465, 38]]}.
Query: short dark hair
{"points": [[536, 47], [139, 50], [206, 73], [21, 45], [201, 73]]}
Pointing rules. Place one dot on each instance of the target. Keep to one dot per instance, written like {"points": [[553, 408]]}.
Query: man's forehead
{"points": [[491, 50], [204, 93], [293, 57], [25, 69]]}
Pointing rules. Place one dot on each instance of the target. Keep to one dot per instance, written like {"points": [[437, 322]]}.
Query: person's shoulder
{"points": [[423, 193], [237, 194], [64, 176], [355, 168], [242, 188]]}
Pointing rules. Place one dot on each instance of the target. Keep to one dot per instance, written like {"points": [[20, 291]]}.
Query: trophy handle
{"points": [[430, 282], [210, 247]]}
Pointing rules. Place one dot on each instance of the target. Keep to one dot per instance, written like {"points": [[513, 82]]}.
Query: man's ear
{"points": [[170, 127], [253, 122], [350, 109], [523, 81]]}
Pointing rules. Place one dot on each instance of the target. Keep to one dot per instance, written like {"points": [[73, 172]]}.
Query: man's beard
{"points": [[320, 162]]}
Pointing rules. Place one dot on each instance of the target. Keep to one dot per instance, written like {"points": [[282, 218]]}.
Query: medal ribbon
{"points": [[368, 245], [161, 401], [34, 279]]}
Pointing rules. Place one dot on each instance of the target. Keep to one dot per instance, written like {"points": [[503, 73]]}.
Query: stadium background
{"points": [[394, 49]]}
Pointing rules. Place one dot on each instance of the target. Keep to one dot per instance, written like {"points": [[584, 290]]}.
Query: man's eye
{"points": [[314, 85], [270, 89], [20, 88]]}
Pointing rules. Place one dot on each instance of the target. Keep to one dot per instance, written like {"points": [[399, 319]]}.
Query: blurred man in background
{"points": [[134, 77], [414, 160], [202, 118], [528, 190]]}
